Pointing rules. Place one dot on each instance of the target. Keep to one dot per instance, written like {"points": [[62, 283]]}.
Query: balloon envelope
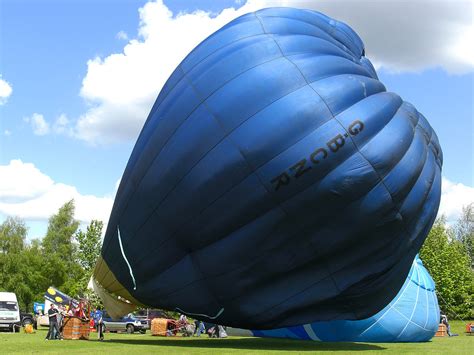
{"points": [[275, 181]]}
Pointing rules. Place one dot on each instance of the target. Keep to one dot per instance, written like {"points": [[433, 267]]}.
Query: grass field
{"points": [[20, 343]]}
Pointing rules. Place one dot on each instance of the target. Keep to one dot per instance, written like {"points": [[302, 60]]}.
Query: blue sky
{"points": [[79, 77]]}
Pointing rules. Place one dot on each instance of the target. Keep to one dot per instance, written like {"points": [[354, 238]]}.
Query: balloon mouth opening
{"points": [[115, 297]]}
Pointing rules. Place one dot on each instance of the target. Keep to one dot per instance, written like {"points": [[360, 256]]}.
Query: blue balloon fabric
{"points": [[275, 182], [412, 316]]}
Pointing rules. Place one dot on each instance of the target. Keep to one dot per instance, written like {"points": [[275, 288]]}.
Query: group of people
{"points": [[56, 319], [213, 330], [56, 323]]}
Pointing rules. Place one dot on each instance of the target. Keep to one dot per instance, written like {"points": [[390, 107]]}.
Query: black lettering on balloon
{"points": [[317, 156], [321, 151], [336, 143], [356, 127], [300, 168], [281, 180]]}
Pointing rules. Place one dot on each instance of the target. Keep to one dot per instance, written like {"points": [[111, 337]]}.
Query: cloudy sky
{"points": [[78, 78]]}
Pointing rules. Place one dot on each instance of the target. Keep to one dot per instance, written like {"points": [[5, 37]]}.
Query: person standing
{"points": [[99, 324], [200, 328], [183, 319], [444, 320], [60, 317], [53, 331], [79, 312]]}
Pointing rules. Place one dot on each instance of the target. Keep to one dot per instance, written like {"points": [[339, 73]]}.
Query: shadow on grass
{"points": [[250, 344]]}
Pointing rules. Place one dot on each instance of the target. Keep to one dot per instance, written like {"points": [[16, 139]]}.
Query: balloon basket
{"points": [[441, 331], [75, 329], [163, 327]]}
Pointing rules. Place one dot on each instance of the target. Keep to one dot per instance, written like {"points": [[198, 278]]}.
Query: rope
{"points": [[448, 306], [126, 260], [202, 315]]}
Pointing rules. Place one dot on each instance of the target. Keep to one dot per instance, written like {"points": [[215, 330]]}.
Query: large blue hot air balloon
{"points": [[275, 181], [413, 315]]}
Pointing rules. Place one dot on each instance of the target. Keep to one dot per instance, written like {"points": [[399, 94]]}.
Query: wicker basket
{"points": [[159, 326], [75, 329], [441, 331]]}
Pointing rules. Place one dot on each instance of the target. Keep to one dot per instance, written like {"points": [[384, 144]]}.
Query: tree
{"points": [[21, 264], [34, 276], [464, 230], [59, 251], [12, 235], [61, 229], [65, 258], [448, 263], [12, 242], [89, 244]]}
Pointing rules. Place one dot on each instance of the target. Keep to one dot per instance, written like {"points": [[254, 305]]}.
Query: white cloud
{"points": [[407, 35], [454, 196], [5, 90], [41, 127], [62, 125], [400, 36], [122, 87], [122, 35], [22, 181], [463, 48], [30, 194], [7, 132], [38, 124]]}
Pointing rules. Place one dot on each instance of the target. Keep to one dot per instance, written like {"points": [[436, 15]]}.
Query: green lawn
{"points": [[145, 344]]}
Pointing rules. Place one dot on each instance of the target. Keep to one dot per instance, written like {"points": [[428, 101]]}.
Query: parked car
{"points": [[9, 312], [27, 318], [128, 324], [151, 314], [143, 319]]}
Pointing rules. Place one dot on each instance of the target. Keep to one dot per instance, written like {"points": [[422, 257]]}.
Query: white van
{"points": [[9, 311]]}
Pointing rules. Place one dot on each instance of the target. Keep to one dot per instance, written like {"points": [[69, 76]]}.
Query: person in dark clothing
{"points": [[53, 331], [444, 320], [196, 326]]}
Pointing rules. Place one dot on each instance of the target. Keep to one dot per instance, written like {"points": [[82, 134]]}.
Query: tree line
{"points": [[65, 257], [447, 253]]}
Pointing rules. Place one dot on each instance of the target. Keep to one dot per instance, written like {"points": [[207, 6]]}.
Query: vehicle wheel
{"points": [[130, 328], [143, 331], [26, 321]]}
